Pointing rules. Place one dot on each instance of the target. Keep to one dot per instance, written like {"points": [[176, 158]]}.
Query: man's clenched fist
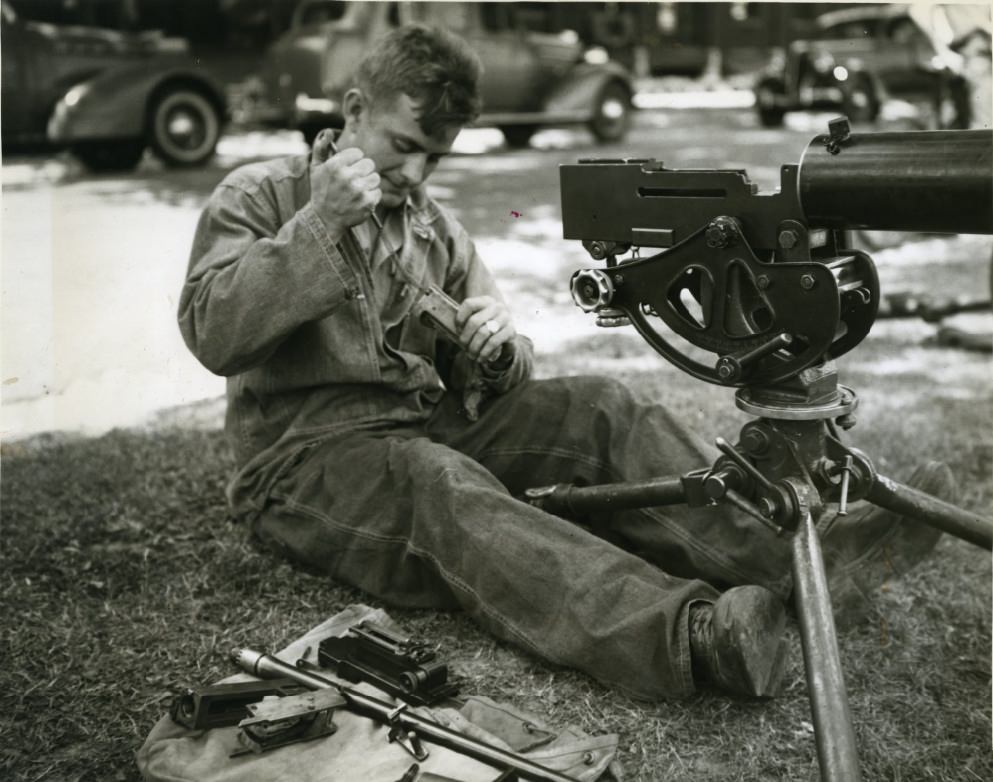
{"points": [[344, 189]]}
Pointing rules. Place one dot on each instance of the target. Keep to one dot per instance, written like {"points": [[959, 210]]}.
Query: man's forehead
{"points": [[407, 113]]}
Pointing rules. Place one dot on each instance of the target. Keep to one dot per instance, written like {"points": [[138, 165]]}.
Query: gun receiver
{"points": [[766, 281], [401, 666]]}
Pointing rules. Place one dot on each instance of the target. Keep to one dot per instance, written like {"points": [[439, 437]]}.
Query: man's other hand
{"points": [[484, 327], [344, 190]]}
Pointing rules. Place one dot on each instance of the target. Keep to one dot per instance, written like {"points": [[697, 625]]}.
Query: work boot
{"points": [[866, 549], [737, 644]]}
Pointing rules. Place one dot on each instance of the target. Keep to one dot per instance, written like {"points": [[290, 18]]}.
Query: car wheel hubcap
{"points": [[186, 130], [612, 110]]}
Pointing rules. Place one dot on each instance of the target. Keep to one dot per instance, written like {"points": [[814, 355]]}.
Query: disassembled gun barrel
{"points": [[406, 727]]}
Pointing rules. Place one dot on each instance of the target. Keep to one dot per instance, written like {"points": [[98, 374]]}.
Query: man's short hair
{"points": [[432, 66]]}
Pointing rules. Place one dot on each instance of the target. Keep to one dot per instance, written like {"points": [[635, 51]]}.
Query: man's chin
{"points": [[392, 198]]}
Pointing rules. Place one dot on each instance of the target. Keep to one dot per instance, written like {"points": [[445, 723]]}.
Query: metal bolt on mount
{"points": [[788, 239]]}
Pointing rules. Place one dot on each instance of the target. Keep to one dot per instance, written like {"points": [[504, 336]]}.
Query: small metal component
{"points": [[410, 775], [715, 486], [591, 289], [846, 475], [407, 739], [839, 132], [732, 453], [754, 440], [276, 722], [846, 421], [788, 239], [610, 317], [721, 232], [763, 282], [731, 368], [597, 250], [865, 295], [746, 507], [807, 282]]}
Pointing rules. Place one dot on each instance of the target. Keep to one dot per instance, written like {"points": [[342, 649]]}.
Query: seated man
{"points": [[356, 451]]}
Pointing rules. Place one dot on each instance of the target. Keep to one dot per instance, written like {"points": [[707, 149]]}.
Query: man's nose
{"points": [[413, 168]]}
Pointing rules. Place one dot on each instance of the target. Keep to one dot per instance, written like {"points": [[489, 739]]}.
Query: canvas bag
{"points": [[359, 749]]}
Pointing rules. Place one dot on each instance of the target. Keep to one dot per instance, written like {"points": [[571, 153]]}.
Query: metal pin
{"points": [[846, 473], [732, 453]]}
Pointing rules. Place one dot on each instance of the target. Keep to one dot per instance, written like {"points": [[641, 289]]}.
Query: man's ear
{"points": [[354, 105]]}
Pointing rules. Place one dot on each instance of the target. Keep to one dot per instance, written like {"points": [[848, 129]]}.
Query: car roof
{"points": [[889, 11]]}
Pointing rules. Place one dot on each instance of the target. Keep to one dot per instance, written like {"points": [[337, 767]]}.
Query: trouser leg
{"points": [[417, 523], [590, 430]]}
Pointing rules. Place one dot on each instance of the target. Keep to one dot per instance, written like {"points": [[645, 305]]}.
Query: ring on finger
{"points": [[491, 326]]}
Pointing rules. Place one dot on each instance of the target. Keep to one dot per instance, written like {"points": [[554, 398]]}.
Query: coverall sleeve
{"points": [[469, 277], [252, 281]]}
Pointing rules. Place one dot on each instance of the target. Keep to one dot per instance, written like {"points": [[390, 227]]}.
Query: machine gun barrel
{"points": [[933, 181], [267, 666]]}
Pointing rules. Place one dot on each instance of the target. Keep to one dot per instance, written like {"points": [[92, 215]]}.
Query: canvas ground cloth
{"points": [[359, 750]]}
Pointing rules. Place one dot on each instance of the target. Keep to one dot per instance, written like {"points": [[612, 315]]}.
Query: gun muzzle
{"points": [[265, 666]]}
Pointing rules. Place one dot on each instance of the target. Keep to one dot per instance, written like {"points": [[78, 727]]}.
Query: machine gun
{"points": [[761, 291]]}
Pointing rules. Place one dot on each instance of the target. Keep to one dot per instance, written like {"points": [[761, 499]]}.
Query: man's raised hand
{"points": [[344, 189]]}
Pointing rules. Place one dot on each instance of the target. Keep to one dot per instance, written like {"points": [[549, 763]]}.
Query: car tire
{"points": [[518, 136], [184, 126], [110, 155], [860, 102], [612, 113], [770, 115]]}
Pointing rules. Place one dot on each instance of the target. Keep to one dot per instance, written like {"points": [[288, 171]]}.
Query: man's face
{"points": [[389, 134]]}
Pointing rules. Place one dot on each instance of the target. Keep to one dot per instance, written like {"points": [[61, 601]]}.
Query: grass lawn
{"points": [[124, 579]]}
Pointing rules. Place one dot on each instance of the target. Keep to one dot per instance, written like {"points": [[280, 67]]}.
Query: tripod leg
{"points": [[907, 501], [565, 499], [837, 753]]}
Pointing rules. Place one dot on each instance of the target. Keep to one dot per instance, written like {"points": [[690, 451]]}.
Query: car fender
{"points": [[577, 93], [114, 103]]}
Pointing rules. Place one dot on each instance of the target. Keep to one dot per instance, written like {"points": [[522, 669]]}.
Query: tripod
{"points": [[771, 285], [788, 465]]}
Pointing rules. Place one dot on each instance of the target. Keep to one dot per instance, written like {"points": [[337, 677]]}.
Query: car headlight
{"points": [[75, 94], [596, 56]]}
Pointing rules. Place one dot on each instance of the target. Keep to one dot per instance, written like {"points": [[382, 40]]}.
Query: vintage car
{"points": [[106, 95], [859, 58], [535, 74]]}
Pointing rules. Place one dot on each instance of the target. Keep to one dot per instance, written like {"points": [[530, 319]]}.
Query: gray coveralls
{"points": [[356, 457]]}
